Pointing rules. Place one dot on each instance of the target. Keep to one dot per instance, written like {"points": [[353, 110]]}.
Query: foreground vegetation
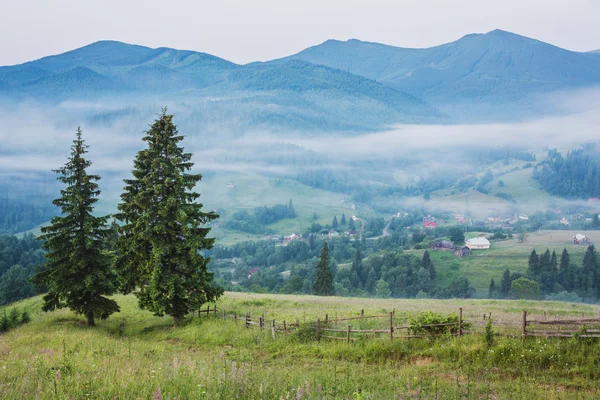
{"points": [[137, 355]]}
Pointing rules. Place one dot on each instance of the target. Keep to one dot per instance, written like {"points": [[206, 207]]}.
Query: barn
{"points": [[479, 243], [581, 239]]}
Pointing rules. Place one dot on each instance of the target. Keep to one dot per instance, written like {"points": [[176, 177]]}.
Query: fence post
{"points": [[273, 329], [248, 320], [460, 321], [261, 322], [362, 313], [318, 329], [545, 317], [391, 326], [223, 315], [348, 334], [215, 311], [235, 317], [524, 325], [326, 318], [207, 310]]}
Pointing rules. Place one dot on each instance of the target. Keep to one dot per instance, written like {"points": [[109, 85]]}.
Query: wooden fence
{"points": [[394, 325]]}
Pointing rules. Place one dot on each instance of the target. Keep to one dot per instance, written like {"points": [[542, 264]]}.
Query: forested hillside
{"points": [[576, 175], [18, 261]]}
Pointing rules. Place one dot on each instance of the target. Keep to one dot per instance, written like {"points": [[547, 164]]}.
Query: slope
{"points": [[498, 67]]}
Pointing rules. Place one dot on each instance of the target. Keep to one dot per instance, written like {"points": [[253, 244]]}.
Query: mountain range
{"points": [[351, 85]]}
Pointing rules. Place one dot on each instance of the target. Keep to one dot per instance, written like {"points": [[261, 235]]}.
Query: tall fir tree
{"points": [[590, 273], [505, 284], [357, 268], [164, 229], [427, 263], [291, 210], [323, 284], [596, 221], [566, 273], [533, 265], [334, 223], [78, 271], [492, 291], [343, 220]]}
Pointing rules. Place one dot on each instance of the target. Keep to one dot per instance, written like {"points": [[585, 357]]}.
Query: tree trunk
{"points": [[90, 318]]}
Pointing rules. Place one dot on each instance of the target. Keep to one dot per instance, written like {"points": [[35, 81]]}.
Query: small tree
{"points": [[506, 283], [524, 288], [323, 284], [382, 289], [4, 323], [78, 272], [595, 221], [492, 291], [13, 317], [343, 220], [25, 318], [334, 223], [427, 263]]}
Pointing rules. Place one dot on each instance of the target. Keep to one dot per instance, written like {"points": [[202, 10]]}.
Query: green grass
{"points": [[483, 265], [57, 356], [251, 190]]}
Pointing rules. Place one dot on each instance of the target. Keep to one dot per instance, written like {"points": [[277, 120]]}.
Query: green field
{"points": [[136, 355], [483, 265], [252, 190]]}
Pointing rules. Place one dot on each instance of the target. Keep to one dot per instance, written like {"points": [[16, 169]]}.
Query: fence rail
{"points": [[329, 328]]}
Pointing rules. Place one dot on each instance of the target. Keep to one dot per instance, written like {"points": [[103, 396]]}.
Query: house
{"points": [[252, 272], [274, 238], [493, 219], [581, 239], [429, 222], [479, 243], [333, 233], [564, 221], [443, 245], [230, 185], [464, 251], [293, 236], [523, 217]]}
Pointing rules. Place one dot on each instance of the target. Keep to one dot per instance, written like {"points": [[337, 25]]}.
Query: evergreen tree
{"points": [[566, 272], [323, 285], [351, 226], [343, 220], [78, 273], [544, 269], [164, 230], [334, 223], [533, 265], [590, 273], [357, 269], [427, 263], [315, 216], [4, 323], [291, 210], [505, 284], [595, 221], [492, 289]]}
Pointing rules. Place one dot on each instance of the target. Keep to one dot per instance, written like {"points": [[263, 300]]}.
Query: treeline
{"points": [[19, 215], [374, 269], [577, 175], [553, 277], [244, 221], [19, 259], [487, 156]]}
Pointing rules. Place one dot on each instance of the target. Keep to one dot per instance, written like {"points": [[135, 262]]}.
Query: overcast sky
{"points": [[250, 30]]}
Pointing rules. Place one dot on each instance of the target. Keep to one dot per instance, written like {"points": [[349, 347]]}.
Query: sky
{"points": [[256, 30]]}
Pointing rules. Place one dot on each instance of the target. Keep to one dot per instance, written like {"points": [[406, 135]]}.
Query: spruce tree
{"points": [[595, 221], [78, 272], [291, 210], [323, 284], [492, 289], [533, 265], [505, 284], [164, 230], [427, 263], [590, 273], [566, 273], [343, 220], [334, 223], [357, 270]]}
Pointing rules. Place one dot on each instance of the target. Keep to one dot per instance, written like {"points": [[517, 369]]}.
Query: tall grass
{"points": [[137, 355]]}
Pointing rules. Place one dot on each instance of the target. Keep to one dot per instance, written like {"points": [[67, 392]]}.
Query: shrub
{"points": [[25, 318], [432, 323], [488, 333]]}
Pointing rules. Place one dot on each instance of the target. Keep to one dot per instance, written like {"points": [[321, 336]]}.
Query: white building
{"points": [[479, 243]]}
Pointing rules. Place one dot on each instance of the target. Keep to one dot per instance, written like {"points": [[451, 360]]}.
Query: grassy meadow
{"points": [[135, 355]]}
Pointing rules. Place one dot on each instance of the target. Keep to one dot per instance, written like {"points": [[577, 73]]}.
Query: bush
{"points": [[429, 322], [488, 333]]}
